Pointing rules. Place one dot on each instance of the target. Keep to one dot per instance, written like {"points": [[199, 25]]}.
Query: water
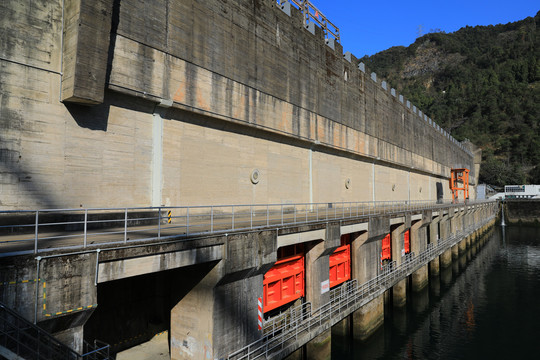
{"points": [[486, 306]]}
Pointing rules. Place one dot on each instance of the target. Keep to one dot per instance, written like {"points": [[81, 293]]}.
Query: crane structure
{"points": [[459, 181]]}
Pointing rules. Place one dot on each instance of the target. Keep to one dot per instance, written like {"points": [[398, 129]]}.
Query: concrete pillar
{"points": [[318, 285], [446, 257], [433, 229], [365, 257], [399, 291], [218, 315], [192, 320], [365, 266], [368, 319], [419, 244], [455, 252], [298, 354], [317, 274], [462, 246], [320, 348], [341, 335]]}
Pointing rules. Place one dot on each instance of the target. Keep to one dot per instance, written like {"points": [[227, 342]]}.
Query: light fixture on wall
{"points": [[393, 187], [420, 190], [255, 176], [347, 183]]}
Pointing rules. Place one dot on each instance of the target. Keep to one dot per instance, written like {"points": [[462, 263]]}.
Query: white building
{"points": [[522, 192]]}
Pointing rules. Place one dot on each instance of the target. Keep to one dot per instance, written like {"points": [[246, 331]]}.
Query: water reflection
{"points": [[484, 306]]}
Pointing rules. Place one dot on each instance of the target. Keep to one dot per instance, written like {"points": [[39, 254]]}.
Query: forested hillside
{"points": [[481, 83]]}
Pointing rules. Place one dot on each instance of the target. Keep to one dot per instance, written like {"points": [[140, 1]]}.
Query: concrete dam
{"points": [[220, 170]]}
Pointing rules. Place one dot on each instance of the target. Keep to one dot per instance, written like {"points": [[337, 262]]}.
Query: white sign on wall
{"points": [[325, 286]]}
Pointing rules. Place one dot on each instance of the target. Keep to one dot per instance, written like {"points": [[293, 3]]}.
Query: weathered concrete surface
{"points": [[418, 238], [434, 236], [368, 319], [320, 348], [399, 291], [230, 107], [317, 274], [87, 26]]}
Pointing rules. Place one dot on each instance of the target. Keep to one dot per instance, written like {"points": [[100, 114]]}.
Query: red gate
{"points": [[406, 241], [340, 262], [386, 248], [284, 282]]}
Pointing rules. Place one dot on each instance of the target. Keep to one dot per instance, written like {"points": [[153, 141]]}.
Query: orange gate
{"points": [[284, 282], [386, 248], [340, 262], [407, 241]]}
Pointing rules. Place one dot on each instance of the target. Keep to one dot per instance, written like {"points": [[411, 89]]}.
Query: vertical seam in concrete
{"points": [[373, 180], [157, 157], [311, 176]]}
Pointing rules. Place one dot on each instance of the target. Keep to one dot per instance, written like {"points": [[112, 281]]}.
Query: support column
{"points": [[218, 315], [446, 256], [434, 239], [368, 319], [365, 257], [399, 291], [318, 286], [419, 244]]}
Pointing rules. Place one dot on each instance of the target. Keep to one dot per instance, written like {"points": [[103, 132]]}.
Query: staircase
{"points": [[21, 339]]}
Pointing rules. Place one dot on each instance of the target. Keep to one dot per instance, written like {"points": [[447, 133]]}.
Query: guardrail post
{"points": [[36, 232], [85, 225], [187, 220], [281, 214], [125, 225], [211, 219], [294, 209], [251, 213], [267, 215], [159, 223], [232, 217]]}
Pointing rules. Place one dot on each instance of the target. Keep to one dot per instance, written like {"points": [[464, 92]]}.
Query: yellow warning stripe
{"points": [[72, 310], [14, 282]]}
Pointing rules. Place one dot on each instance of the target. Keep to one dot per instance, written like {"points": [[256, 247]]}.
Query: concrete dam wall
{"points": [[179, 102]]}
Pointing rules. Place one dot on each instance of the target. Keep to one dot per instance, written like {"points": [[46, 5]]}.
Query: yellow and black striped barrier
{"points": [[169, 216]]}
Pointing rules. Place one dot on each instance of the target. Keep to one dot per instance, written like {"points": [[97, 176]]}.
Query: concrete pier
{"points": [[368, 319], [433, 229], [399, 291], [320, 348], [418, 244]]}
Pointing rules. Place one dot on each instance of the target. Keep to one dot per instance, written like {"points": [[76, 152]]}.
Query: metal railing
{"points": [[23, 339], [35, 231], [312, 14], [348, 298]]}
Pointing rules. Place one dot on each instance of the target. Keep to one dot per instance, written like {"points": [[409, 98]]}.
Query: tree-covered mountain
{"points": [[481, 83]]}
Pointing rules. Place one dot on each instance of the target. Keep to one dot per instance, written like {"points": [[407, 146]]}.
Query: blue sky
{"points": [[368, 27]]}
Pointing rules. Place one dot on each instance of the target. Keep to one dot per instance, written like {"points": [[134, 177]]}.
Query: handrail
{"points": [[29, 341], [36, 231], [311, 13], [349, 297]]}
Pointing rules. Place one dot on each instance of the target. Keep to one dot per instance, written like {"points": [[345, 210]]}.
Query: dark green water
{"points": [[486, 306]]}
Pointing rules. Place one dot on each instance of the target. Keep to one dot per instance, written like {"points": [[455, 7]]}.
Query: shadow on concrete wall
{"points": [[13, 173], [90, 117]]}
